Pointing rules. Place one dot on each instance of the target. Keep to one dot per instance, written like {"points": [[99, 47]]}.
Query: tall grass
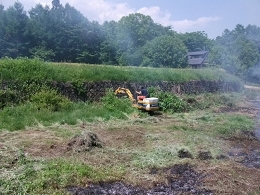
{"points": [[34, 69], [29, 114]]}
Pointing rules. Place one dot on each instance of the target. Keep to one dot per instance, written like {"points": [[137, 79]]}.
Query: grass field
{"points": [[44, 158], [46, 151]]}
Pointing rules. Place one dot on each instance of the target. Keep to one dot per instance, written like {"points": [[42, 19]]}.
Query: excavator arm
{"points": [[148, 104], [121, 90]]}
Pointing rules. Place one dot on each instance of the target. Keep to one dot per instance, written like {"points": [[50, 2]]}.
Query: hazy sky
{"points": [[211, 16]]}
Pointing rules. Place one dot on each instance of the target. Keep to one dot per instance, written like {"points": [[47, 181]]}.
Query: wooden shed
{"points": [[197, 59]]}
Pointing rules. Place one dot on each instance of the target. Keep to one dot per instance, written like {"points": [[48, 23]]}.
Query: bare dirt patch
{"points": [[245, 149], [37, 143], [239, 172], [124, 136], [232, 178]]}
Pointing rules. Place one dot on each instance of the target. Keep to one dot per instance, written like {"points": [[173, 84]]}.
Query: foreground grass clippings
{"points": [[43, 158]]}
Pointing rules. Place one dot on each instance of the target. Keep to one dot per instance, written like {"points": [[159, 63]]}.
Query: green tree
{"points": [[39, 33], [92, 39], [253, 34], [63, 34], [56, 4], [3, 43], [108, 50], [13, 26], [196, 41], [165, 51], [74, 38], [42, 52], [234, 51], [133, 32], [221, 56], [247, 53]]}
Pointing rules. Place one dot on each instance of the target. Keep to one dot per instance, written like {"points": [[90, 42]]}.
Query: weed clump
{"points": [[168, 101], [8, 97], [114, 104], [50, 100]]}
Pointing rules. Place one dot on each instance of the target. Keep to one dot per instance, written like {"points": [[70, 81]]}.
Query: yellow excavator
{"points": [[147, 104]]}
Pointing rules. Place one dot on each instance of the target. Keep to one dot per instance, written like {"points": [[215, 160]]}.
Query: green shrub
{"points": [[171, 102], [114, 104], [29, 88], [8, 97], [19, 92], [168, 101], [50, 100]]}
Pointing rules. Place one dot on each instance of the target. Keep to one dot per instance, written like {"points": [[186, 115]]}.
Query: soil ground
{"points": [[235, 172]]}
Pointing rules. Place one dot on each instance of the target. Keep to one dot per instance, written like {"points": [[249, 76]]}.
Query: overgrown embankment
{"points": [[23, 77], [93, 91]]}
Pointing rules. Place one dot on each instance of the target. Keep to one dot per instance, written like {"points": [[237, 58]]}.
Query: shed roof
{"points": [[197, 57], [197, 53]]}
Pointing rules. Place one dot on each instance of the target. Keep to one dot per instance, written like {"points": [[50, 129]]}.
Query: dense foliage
{"points": [[238, 50], [165, 51], [49, 99], [62, 34]]}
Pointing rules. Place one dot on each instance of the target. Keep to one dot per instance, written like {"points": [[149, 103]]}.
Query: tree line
{"points": [[62, 34]]}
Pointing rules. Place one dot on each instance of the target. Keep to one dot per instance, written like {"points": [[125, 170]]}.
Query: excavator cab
{"points": [[147, 104]]}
